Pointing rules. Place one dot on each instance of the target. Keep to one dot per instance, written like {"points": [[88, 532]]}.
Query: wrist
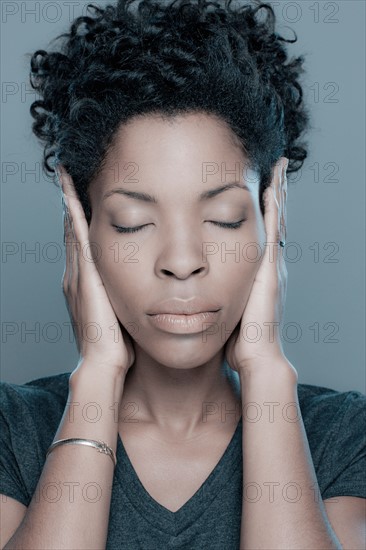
{"points": [[271, 371], [97, 376]]}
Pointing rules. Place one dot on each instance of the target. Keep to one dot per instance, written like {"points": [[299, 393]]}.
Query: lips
{"points": [[184, 324], [179, 306]]}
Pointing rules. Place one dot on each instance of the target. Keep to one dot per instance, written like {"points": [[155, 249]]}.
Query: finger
{"points": [[66, 273], [272, 205], [78, 222], [70, 276], [274, 219], [283, 222]]}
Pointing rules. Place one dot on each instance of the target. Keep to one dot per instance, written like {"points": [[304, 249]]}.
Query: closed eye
{"points": [[234, 225], [121, 229], [224, 225]]}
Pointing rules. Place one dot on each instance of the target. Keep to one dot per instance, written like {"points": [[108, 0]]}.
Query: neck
{"points": [[181, 401]]}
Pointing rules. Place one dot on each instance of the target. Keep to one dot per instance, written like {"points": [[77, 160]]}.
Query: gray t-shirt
{"points": [[30, 414]]}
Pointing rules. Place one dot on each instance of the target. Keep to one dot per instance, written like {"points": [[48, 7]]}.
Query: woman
{"points": [[172, 128]]}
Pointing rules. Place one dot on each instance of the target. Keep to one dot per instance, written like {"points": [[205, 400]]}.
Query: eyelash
{"points": [[224, 225]]}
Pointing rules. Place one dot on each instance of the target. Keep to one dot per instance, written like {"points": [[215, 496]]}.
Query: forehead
{"points": [[191, 150], [194, 125]]}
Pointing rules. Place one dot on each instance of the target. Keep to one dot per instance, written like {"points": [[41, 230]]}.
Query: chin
{"points": [[182, 354]]}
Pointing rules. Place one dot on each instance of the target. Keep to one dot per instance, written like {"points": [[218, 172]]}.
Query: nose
{"points": [[181, 257], [181, 272]]}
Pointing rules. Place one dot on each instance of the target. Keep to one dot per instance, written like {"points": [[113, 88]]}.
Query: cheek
{"points": [[123, 288], [248, 246], [108, 254], [238, 284], [119, 274], [254, 248], [239, 270]]}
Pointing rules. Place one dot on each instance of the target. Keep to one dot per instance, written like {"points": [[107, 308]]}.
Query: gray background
{"points": [[324, 323]]}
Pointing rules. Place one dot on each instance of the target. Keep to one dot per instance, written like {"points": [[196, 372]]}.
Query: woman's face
{"points": [[180, 252]]}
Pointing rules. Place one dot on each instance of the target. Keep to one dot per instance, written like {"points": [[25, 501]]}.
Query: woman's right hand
{"points": [[99, 338]]}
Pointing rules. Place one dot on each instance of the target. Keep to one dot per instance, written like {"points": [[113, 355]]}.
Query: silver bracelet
{"points": [[99, 445]]}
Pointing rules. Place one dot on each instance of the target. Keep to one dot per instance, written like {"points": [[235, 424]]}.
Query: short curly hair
{"points": [[170, 59]]}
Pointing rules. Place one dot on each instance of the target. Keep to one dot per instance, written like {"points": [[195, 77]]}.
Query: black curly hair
{"points": [[129, 60]]}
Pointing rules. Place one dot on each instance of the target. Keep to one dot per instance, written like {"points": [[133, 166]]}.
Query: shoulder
{"points": [[29, 416], [330, 415], [39, 401], [334, 422], [55, 386], [322, 406]]}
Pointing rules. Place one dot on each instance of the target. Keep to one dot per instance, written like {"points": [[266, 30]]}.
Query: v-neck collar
{"points": [[160, 517]]}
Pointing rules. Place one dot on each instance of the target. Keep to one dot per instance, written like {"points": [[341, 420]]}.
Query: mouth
{"points": [[184, 323], [179, 306], [186, 313]]}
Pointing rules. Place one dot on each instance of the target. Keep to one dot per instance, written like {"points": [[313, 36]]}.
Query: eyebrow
{"points": [[150, 198]]}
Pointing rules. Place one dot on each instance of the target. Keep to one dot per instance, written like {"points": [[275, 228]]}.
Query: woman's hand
{"points": [[255, 343], [96, 327]]}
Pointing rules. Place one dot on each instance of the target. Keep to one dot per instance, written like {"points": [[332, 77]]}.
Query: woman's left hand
{"points": [[256, 343]]}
